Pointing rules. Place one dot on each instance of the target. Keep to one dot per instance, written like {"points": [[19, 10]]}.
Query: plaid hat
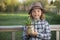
{"points": [[36, 5]]}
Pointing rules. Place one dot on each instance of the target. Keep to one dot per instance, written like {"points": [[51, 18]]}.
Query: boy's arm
{"points": [[46, 35], [24, 33]]}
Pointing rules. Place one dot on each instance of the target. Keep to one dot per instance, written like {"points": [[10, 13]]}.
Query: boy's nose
{"points": [[36, 12]]}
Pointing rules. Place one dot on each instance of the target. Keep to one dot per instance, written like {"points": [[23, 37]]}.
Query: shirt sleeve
{"points": [[46, 34], [24, 33]]}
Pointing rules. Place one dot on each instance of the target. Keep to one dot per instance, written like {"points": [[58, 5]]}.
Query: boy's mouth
{"points": [[36, 15]]}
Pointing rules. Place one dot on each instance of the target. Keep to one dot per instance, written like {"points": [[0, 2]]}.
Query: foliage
{"points": [[52, 18], [8, 5], [57, 3], [14, 5], [28, 21]]}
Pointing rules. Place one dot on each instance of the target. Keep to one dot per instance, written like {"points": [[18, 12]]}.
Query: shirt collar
{"points": [[34, 20]]}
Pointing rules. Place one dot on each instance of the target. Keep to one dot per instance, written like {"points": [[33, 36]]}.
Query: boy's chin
{"points": [[37, 18]]}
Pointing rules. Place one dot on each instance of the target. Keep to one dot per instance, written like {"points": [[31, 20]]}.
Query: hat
{"points": [[36, 5]]}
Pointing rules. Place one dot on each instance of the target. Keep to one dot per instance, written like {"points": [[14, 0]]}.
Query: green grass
{"points": [[5, 36], [17, 19], [53, 18], [8, 35], [12, 19]]}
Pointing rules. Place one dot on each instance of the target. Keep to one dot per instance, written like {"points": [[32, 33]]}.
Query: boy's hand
{"points": [[34, 34], [28, 33]]}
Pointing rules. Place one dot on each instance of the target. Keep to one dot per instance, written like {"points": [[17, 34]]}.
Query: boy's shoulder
{"points": [[45, 21]]}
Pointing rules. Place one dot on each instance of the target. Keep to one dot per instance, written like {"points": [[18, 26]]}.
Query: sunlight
{"points": [[21, 1], [51, 0]]}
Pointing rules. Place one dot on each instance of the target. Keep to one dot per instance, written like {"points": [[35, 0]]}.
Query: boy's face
{"points": [[36, 13]]}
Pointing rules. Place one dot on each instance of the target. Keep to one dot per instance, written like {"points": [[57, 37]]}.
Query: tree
{"points": [[2, 6], [8, 5], [11, 4], [57, 4]]}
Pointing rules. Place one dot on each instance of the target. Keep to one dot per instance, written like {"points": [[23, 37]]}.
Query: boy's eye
{"points": [[38, 11], [33, 11]]}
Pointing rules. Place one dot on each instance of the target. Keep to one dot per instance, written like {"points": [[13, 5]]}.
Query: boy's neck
{"points": [[36, 19]]}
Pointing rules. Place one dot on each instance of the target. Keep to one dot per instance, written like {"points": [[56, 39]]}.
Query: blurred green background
{"points": [[15, 12]]}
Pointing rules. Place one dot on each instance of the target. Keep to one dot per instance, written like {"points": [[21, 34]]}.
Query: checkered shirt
{"points": [[43, 29]]}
